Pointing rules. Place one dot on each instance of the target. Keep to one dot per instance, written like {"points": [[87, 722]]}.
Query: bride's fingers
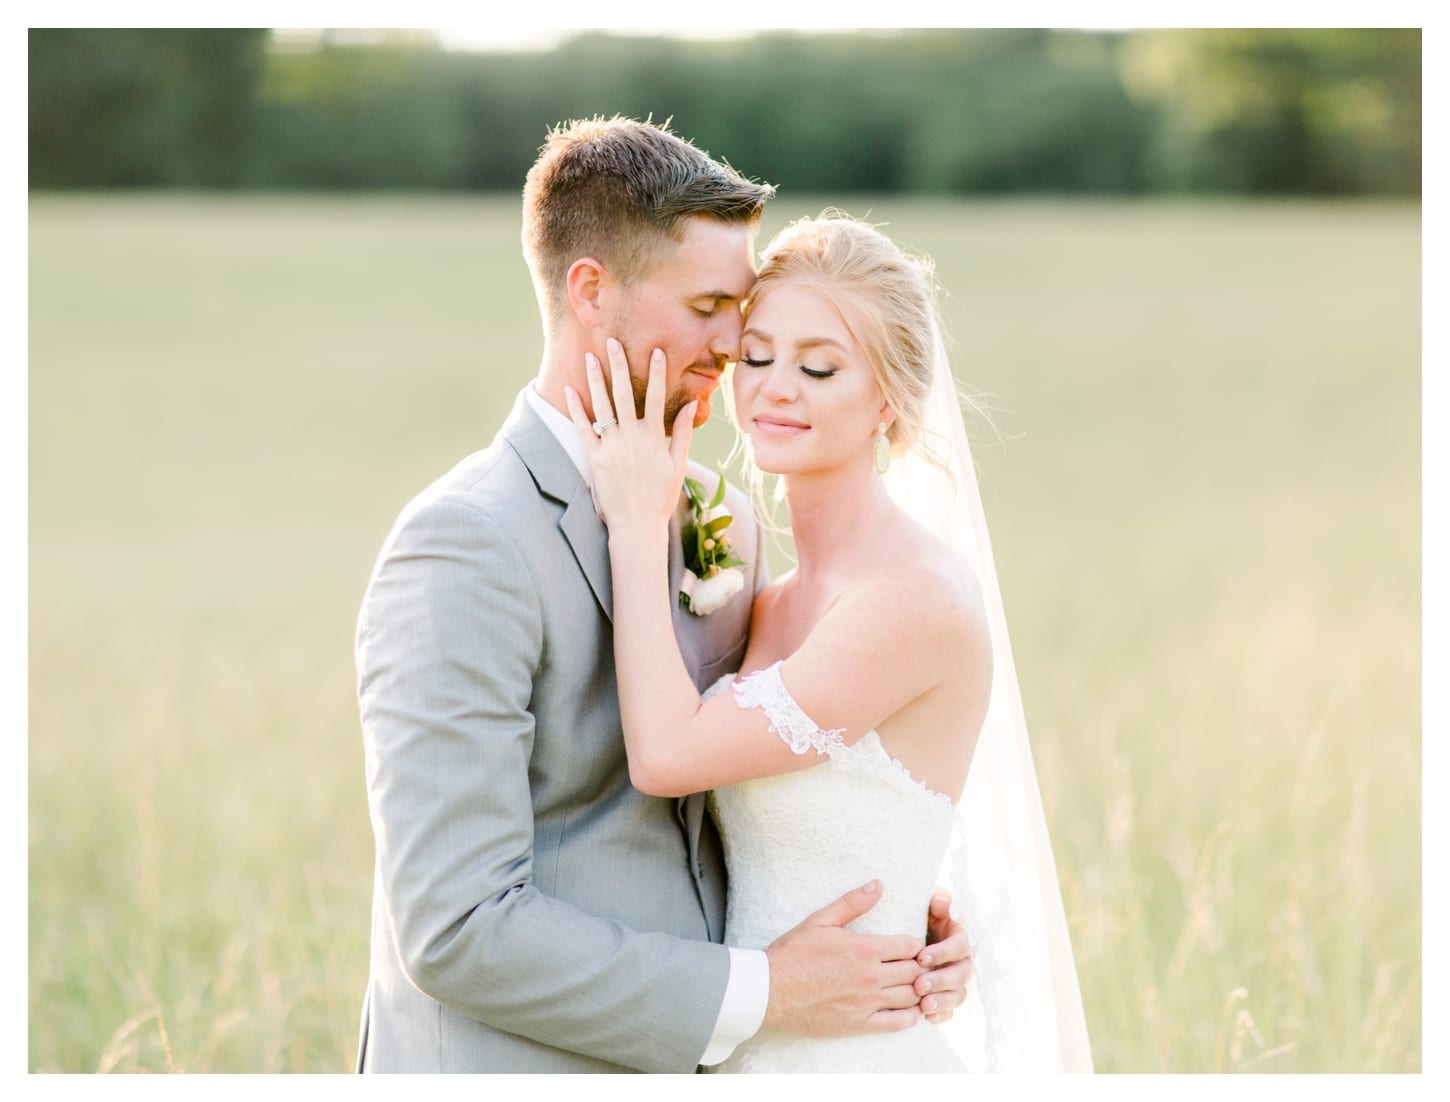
{"points": [[654, 395], [581, 420], [619, 379], [680, 434], [598, 395]]}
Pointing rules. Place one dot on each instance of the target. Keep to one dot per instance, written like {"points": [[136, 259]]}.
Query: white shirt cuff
{"points": [[746, 993]]}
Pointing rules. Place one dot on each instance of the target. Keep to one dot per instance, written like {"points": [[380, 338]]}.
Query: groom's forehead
{"points": [[711, 260], [706, 280]]}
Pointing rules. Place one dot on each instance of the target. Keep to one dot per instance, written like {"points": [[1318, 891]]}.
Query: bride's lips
{"points": [[776, 425]]}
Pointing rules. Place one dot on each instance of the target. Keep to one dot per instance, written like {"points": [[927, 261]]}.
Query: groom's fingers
{"points": [[849, 907], [950, 981], [940, 1007], [894, 1021], [901, 997], [947, 951], [900, 973]]}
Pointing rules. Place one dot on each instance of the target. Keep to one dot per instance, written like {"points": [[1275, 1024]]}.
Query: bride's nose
{"points": [[779, 384]]}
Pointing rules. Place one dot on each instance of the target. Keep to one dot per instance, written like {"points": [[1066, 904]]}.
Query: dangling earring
{"points": [[882, 449]]}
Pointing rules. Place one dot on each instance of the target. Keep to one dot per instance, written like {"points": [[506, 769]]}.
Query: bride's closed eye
{"points": [[748, 362]]}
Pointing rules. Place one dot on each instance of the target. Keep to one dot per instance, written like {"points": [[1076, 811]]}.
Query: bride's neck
{"points": [[832, 515]]}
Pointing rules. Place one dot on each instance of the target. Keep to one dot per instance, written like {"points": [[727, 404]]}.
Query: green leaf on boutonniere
{"points": [[706, 551]]}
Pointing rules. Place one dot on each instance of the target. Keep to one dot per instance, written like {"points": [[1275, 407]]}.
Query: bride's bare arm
{"points": [[678, 743], [883, 644]]}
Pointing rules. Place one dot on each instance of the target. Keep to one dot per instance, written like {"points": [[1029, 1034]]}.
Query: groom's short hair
{"points": [[616, 189]]}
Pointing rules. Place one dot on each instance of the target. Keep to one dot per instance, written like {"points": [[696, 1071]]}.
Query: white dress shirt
{"points": [[748, 989]]}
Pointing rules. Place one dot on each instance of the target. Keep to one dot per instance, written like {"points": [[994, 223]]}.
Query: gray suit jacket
{"points": [[532, 911]]}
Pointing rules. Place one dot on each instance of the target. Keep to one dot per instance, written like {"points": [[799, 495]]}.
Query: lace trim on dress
{"points": [[872, 751], [765, 689]]}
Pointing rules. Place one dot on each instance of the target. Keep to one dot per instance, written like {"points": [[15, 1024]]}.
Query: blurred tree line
{"points": [[1307, 111]]}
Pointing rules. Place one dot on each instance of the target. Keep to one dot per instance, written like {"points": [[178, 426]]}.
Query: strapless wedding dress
{"points": [[795, 842]]}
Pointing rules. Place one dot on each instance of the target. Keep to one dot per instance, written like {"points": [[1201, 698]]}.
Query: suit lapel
{"points": [[589, 541], [557, 478]]}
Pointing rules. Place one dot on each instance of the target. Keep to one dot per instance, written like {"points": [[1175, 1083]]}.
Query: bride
{"points": [[875, 723]]}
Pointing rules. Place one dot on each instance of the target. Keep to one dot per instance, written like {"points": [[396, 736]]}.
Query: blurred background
{"points": [[275, 289]]}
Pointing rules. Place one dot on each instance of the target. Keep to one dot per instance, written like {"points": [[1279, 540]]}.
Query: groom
{"points": [[532, 911]]}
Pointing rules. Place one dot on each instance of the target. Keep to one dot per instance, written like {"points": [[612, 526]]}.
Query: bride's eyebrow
{"points": [[752, 332]]}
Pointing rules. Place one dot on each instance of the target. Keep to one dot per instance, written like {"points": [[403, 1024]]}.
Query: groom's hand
{"points": [[943, 986], [827, 981]]}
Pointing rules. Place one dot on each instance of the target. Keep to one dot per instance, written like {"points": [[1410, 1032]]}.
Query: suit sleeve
{"points": [[449, 641]]}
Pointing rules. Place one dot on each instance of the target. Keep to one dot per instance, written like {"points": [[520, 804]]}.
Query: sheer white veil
{"points": [[1024, 1008]]}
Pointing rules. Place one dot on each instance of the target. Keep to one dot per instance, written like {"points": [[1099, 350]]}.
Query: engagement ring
{"points": [[600, 426]]}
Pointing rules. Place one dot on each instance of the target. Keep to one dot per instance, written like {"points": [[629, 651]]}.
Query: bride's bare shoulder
{"points": [[932, 594], [765, 601]]}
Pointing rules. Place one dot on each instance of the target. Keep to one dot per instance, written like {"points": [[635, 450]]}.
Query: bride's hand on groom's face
{"points": [[943, 987], [637, 472]]}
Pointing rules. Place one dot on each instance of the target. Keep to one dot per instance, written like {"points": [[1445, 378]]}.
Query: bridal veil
{"points": [[1024, 1008]]}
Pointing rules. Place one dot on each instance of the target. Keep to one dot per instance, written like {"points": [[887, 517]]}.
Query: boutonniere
{"points": [[712, 569]]}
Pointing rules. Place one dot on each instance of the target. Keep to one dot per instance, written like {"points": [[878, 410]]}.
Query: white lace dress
{"points": [[795, 842]]}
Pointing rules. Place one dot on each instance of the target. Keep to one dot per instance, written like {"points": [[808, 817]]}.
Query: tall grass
{"points": [[1204, 491]]}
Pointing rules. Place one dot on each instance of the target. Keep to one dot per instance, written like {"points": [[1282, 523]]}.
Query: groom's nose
{"points": [[725, 340]]}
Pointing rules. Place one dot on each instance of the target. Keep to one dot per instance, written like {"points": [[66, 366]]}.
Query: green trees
{"points": [[955, 111], [138, 108]]}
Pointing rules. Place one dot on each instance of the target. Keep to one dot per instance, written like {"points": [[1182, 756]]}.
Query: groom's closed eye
{"points": [[709, 305]]}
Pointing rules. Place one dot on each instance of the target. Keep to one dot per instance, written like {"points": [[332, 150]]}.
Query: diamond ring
{"points": [[601, 426]]}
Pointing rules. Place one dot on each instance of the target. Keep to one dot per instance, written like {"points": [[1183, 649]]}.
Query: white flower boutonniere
{"points": [[712, 570]]}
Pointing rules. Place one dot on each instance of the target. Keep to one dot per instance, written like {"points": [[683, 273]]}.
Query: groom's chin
{"points": [[702, 413]]}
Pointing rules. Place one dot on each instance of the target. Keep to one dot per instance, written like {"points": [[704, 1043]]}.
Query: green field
{"points": [[1204, 486]]}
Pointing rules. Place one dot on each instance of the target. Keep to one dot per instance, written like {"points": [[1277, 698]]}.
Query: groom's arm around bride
{"points": [[533, 911]]}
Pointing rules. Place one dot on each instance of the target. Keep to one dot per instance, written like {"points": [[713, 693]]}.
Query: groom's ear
{"points": [[587, 282]]}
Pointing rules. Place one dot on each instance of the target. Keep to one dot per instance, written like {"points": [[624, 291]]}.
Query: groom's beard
{"points": [[680, 394]]}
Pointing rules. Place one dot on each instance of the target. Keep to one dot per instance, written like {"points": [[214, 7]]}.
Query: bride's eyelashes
{"points": [[748, 362]]}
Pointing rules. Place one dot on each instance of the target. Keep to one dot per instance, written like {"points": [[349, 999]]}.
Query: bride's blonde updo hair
{"points": [[885, 298]]}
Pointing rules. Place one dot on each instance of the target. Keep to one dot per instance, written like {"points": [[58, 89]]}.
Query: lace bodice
{"points": [[797, 841]]}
